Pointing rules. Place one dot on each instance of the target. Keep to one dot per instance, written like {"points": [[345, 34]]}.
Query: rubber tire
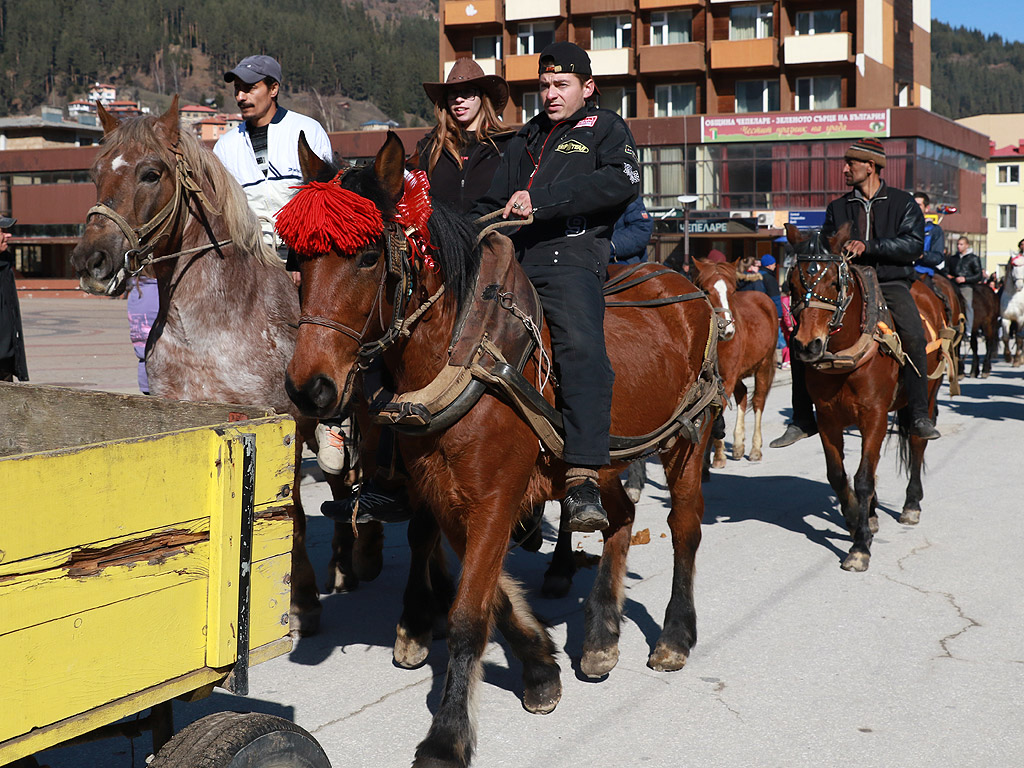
{"points": [[241, 740]]}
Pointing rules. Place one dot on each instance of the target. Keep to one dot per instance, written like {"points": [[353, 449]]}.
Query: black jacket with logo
{"points": [[581, 173], [968, 267], [462, 187], [890, 225]]}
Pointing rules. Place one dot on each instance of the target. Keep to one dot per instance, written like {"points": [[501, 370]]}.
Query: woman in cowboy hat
{"points": [[462, 152]]}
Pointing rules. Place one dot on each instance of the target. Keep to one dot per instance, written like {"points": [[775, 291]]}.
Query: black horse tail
{"points": [[905, 456]]}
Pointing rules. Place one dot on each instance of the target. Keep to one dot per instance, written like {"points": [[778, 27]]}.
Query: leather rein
{"points": [[143, 240]]}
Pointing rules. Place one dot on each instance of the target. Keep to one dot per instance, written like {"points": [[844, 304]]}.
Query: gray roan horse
{"points": [[228, 311]]}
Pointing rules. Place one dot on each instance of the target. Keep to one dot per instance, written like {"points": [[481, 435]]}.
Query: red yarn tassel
{"points": [[323, 216]]}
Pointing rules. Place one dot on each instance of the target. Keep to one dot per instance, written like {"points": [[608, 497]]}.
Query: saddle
{"points": [[877, 333], [498, 333]]}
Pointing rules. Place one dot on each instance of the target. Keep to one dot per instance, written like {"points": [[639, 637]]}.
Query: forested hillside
{"points": [[973, 74], [50, 49]]}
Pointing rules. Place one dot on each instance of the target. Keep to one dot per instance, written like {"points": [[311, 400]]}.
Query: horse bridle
{"points": [[809, 297], [142, 240]]}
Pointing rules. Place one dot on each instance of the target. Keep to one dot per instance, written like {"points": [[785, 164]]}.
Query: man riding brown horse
{"points": [[887, 233]]}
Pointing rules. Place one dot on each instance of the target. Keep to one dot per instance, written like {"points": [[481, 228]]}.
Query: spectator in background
{"points": [[12, 341], [748, 276], [143, 306], [631, 234], [966, 273], [771, 287], [934, 255]]}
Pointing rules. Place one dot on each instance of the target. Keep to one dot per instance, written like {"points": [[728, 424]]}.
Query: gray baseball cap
{"points": [[7, 221], [252, 69]]}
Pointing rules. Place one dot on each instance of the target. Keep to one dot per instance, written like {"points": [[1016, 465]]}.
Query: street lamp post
{"points": [[686, 201]]}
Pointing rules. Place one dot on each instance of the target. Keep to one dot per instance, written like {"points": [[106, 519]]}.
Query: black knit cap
{"points": [[565, 57], [868, 148]]}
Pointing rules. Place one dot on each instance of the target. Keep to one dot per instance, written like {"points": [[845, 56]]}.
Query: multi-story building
{"points": [[1004, 205]]}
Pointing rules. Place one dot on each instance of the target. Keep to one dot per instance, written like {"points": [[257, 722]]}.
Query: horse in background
{"points": [[986, 325], [745, 348], [1011, 309], [228, 310], [484, 472], [852, 382]]}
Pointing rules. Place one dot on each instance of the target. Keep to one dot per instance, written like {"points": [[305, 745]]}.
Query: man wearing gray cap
{"points": [[12, 342], [262, 153]]}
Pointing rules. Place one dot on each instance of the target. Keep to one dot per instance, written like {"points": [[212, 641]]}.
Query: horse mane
{"points": [[453, 236], [228, 197]]}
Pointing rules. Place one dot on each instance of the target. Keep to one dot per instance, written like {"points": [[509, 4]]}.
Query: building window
{"points": [[671, 27], [675, 99], [757, 96], [1007, 217], [611, 32], [818, 92], [621, 101], [487, 47], [531, 105], [818, 22], [747, 22], [1009, 174], [533, 36]]}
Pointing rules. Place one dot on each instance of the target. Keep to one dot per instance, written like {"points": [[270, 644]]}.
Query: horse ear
{"points": [[794, 236], [835, 243], [309, 161], [107, 120], [390, 167], [167, 123]]}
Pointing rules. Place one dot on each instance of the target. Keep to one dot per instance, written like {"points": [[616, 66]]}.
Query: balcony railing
{"points": [[645, 4], [613, 61], [516, 10], [812, 49], [745, 54], [471, 12], [680, 57], [587, 7]]}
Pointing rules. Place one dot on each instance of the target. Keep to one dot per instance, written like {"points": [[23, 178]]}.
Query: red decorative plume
{"points": [[323, 215], [414, 210]]}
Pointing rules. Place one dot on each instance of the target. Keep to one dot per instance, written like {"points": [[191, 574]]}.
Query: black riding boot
{"points": [[916, 385]]}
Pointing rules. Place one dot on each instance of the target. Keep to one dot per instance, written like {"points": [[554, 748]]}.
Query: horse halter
{"points": [[810, 297], [142, 240]]}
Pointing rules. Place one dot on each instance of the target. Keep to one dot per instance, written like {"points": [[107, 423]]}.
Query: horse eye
{"points": [[368, 258], [151, 177]]}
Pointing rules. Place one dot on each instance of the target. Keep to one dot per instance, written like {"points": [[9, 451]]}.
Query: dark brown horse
{"points": [[228, 311], [986, 325], [746, 348], [486, 471], [852, 383]]}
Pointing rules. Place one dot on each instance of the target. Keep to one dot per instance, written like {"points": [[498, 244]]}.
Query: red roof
{"points": [[196, 108], [1010, 152]]}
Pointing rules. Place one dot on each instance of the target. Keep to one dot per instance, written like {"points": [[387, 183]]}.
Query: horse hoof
{"points": [[718, 463], [411, 651], [634, 494], [665, 659], [910, 516], [542, 699], [873, 524], [755, 456], [985, 375], [556, 587], [304, 622], [341, 582], [856, 562], [597, 664]]}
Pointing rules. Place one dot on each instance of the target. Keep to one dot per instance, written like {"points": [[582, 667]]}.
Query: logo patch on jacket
{"points": [[631, 172], [570, 146], [586, 122], [630, 151]]}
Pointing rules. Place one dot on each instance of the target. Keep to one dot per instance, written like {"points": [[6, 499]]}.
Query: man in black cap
{"points": [[12, 342], [887, 233], [262, 153], [574, 167]]}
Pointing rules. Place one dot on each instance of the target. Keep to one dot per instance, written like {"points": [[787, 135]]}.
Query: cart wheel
{"points": [[241, 740]]}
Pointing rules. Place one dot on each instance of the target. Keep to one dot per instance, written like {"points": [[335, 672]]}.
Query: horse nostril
{"points": [[94, 264], [322, 391]]}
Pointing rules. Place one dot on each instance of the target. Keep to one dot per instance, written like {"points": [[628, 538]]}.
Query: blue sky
{"points": [[990, 16]]}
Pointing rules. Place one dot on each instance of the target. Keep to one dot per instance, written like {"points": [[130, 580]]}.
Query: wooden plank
{"points": [[73, 581], [69, 666], [222, 602], [271, 599]]}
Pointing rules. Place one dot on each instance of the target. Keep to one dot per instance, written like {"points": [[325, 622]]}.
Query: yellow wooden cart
{"points": [[144, 556]]}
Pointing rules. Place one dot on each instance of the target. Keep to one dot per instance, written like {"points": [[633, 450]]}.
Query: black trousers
{"points": [[907, 320], [574, 311]]}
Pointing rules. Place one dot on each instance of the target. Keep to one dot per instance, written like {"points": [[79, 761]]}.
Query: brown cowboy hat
{"points": [[467, 73]]}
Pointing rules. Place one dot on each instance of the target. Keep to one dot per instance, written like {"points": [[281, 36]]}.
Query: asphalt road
{"points": [[918, 662]]}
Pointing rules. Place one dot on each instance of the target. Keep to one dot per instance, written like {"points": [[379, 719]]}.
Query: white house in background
{"points": [[102, 92]]}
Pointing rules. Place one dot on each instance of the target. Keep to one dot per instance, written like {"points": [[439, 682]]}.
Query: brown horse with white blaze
{"points": [[853, 383], [746, 348], [228, 311], [482, 474]]}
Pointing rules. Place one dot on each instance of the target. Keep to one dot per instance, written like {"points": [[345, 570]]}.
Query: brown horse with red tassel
{"points": [[392, 284]]}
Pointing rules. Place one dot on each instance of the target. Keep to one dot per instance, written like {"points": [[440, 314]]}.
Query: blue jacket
{"points": [[631, 234]]}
